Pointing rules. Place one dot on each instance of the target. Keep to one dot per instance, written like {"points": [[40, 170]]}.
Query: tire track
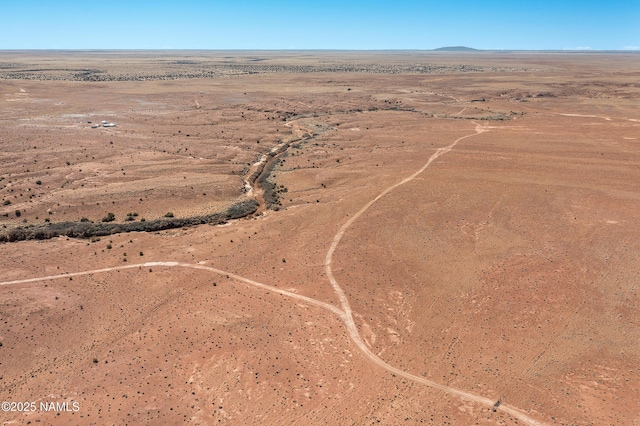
{"points": [[345, 314], [348, 316], [236, 277]]}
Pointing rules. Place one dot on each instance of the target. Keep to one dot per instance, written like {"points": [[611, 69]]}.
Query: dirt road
{"points": [[344, 312]]}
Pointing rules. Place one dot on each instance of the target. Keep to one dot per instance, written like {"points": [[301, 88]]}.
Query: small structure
{"points": [[103, 123]]}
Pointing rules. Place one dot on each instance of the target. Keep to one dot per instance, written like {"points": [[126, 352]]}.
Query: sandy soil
{"points": [[452, 231]]}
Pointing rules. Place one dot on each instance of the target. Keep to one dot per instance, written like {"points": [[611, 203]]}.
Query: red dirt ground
{"points": [[507, 269]]}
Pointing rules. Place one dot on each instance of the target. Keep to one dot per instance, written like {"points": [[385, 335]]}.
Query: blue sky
{"points": [[199, 24]]}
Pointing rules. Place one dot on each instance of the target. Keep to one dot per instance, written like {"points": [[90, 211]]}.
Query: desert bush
{"points": [[90, 229]]}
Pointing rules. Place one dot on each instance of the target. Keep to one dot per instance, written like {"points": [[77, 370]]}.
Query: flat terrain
{"points": [[439, 238]]}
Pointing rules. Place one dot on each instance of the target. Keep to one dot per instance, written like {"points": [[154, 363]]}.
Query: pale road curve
{"points": [[309, 300], [348, 317], [351, 328], [344, 314]]}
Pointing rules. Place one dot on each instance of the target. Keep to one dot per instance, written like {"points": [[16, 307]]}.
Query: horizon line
{"points": [[448, 49]]}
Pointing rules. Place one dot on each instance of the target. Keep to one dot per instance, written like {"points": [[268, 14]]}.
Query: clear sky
{"points": [[329, 24]]}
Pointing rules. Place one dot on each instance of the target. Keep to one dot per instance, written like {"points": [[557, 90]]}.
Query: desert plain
{"points": [[320, 237]]}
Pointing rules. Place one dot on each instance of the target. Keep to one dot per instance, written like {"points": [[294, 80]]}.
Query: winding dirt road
{"points": [[348, 317], [344, 313]]}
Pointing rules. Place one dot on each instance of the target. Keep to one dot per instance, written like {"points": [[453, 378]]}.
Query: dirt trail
{"points": [[348, 317], [309, 300], [345, 313]]}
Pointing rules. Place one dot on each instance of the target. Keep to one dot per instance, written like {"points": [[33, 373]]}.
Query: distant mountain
{"points": [[456, 49]]}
